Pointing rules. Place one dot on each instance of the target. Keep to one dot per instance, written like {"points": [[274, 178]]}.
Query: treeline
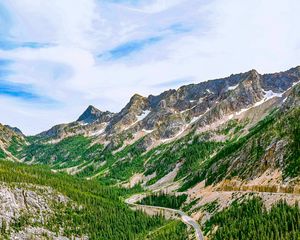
{"points": [[164, 200], [102, 216], [250, 220]]}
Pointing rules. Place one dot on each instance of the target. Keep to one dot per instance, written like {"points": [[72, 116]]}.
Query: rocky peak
{"points": [[15, 130], [136, 97], [295, 70], [252, 77], [136, 104], [129, 115], [136, 101], [281, 81], [250, 90], [92, 114], [7, 133]]}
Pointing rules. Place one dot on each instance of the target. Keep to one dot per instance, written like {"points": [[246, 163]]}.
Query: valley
{"points": [[189, 162]]}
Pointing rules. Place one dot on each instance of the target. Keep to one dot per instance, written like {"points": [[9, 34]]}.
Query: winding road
{"points": [[183, 216]]}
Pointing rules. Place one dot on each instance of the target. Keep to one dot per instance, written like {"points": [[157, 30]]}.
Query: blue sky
{"points": [[57, 57], [128, 48]]}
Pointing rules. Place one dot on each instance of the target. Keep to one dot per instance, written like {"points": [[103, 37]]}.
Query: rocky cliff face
{"points": [[92, 114], [175, 112], [31, 204]]}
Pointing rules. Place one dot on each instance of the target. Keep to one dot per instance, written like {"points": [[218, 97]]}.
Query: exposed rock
{"points": [[30, 233], [92, 114], [32, 201], [167, 114]]}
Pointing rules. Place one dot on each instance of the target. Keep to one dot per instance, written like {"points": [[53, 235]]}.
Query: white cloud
{"points": [[218, 38]]}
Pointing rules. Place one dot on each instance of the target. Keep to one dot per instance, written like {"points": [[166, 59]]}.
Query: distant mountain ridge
{"points": [[174, 111]]}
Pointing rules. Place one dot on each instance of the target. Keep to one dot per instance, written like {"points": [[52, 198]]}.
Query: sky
{"points": [[59, 56]]}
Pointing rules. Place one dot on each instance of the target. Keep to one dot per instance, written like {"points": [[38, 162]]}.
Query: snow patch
{"points": [[147, 131], [139, 118], [267, 96], [270, 94], [233, 87], [143, 115]]}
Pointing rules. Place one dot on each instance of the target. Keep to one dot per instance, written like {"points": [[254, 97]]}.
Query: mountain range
{"points": [[203, 148]]}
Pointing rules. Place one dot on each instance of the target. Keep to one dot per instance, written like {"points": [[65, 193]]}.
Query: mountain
{"points": [[11, 141], [92, 114], [209, 147], [170, 114], [90, 122], [16, 130]]}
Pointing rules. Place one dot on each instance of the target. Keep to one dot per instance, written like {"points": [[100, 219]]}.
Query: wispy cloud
{"points": [[10, 45], [23, 92], [50, 50], [129, 2], [179, 28], [128, 48]]}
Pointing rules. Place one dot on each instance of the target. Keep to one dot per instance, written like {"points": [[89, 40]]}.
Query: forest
{"points": [[103, 214], [164, 200], [249, 219]]}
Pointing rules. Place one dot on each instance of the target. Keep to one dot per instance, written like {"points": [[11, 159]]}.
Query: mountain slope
{"points": [[11, 141], [215, 142], [95, 147], [41, 205]]}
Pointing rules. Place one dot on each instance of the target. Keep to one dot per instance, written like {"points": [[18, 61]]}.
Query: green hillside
{"points": [[102, 214]]}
